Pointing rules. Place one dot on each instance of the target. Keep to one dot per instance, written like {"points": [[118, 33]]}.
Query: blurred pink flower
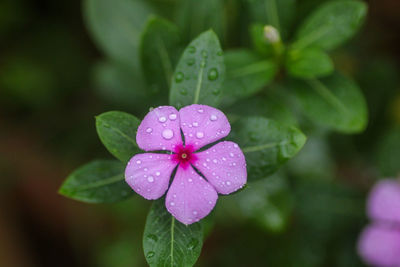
{"points": [[379, 243], [190, 197]]}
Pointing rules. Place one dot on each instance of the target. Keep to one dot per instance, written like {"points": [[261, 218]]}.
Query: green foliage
{"points": [[389, 153], [331, 24], [267, 144], [246, 74], [278, 13], [309, 63], [195, 17], [117, 131], [334, 101], [116, 26], [118, 84], [268, 202], [100, 181], [159, 51], [200, 72], [167, 242]]}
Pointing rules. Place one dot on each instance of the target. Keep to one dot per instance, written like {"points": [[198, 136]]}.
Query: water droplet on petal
{"points": [[199, 135], [213, 118], [138, 161], [235, 146], [213, 74], [190, 180], [172, 116], [162, 119], [179, 77], [150, 179], [194, 212], [228, 183], [149, 130], [231, 154], [167, 134], [195, 124], [215, 161], [200, 110], [172, 203], [158, 173]]}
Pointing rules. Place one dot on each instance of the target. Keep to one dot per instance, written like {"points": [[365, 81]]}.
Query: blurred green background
{"points": [[50, 91]]}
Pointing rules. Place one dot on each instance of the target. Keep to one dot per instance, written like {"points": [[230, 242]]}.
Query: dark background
{"points": [[47, 109]]}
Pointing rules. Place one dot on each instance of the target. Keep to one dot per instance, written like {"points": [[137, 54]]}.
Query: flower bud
{"points": [[271, 34]]}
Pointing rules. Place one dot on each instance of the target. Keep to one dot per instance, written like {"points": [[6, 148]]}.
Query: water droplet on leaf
{"points": [[179, 77], [213, 74], [150, 254], [183, 91]]}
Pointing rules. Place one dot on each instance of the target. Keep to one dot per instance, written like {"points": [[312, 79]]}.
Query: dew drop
{"points": [[183, 91], [191, 49], [235, 146], [179, 77], [219, 53], [199, 135], [190, 180], [216, 91], [228, 183], [213, 117], [158, 173], [152, 238], [172, 116], [195, 124], [150, 254], [213, 74], [194, 212], [172, 203], [162, 119], [190, 61], [167, 134], [204, 53], [150, 179], [138, 161], [231, 154], [215, 161], [200, 110], [149, 130]]}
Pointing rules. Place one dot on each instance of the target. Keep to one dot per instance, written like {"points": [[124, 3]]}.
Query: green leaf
{"points": [[389, 153], [272, 105], [100, 181], [116, 26], [167, 242], [267, 144], [278, 13], [331, 24], [120, 85], [309, 63], [195, 17], [335, 101], [246, 74], [159, 51], [117, 131], [200, 72], [268, 202]]}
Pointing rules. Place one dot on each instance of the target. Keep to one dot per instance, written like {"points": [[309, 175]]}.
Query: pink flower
{"points": [[379, 243], [190, 196]]}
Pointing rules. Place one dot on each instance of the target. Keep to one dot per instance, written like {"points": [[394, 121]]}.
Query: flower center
{"points": [[184, 156]]}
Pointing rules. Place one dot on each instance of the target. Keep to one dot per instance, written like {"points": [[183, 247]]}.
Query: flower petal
{"points": [[149, 174], [190, 197], [159, 130], [202, 125], [224, 166], [380, 246], [384, 201]]}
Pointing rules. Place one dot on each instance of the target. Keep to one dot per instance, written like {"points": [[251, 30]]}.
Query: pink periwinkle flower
{"points": [[379, 243], [190, 196]]}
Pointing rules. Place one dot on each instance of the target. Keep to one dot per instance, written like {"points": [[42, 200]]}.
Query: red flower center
{"points": [[184, 156]]}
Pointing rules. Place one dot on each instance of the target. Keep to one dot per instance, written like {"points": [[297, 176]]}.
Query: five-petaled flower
{"points": [[201, 173], [379, 243]]}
